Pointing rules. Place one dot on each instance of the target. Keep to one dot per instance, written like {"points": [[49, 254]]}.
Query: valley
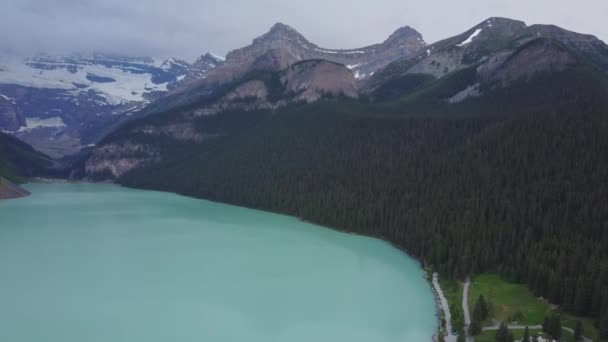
{"points": [[482, 155]]}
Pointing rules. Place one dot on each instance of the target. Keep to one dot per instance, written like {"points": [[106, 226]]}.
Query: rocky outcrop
{"points": [[541, 55], [183, 131], [9, 190], [305, 81], [10, 116], [203, 65], [310, 80], [116, 159]]}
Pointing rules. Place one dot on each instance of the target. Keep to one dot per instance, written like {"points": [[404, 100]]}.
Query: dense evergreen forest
{"points": [[19, 160], [521, 191]]}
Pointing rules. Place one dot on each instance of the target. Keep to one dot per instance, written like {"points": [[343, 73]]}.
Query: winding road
{"points": [[449, 335]]}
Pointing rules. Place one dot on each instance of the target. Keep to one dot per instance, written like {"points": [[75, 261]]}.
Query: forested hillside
{"points": [[514, 182], [19, 160]]}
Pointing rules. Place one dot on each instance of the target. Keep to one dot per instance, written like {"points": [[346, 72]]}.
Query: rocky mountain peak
{"points": [[281, 32], [404, 33], [208, 59], [281, 28]]}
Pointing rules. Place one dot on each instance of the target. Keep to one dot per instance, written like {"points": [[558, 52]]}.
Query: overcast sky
{"points": [[187, 28]]}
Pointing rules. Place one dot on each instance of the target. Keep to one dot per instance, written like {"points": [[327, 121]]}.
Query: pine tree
{"points": [[552, 325], [526, 337], [502, 335], [475, 328], [546, 324], [480, 312], [558, 327], [578, 331], [604, 325]]}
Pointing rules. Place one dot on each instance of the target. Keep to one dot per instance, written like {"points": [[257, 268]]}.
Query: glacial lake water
{"points": [[101, 263]]}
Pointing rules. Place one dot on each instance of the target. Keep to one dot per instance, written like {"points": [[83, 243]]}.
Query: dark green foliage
{"points": [[503, 334], [475, 328], [480, 314], [603, 325], [578, 331], [19, 160], [517, 317], [514, 182], [481, 311], [526, 337], [457, 318], [400, 86], [553, 326], [443, 89], [461, 338]]}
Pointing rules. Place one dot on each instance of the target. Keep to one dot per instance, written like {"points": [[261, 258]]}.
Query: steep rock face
{"points": [[305, 81], [312, 79], [539, 55], [116, 159], [10, 117]]}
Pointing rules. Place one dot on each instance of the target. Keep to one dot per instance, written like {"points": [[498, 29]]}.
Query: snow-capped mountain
{"points": [[61, 103]]}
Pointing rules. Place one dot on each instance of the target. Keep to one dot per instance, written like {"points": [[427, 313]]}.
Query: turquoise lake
{"points": [[102, 263]]}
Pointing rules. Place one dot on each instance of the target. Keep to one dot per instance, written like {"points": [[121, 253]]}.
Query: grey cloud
{"points": [[187, 28]]}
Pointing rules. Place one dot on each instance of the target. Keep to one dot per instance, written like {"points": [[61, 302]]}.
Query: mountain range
{"points": [[60, 104], [485, 151], [282, 68]]}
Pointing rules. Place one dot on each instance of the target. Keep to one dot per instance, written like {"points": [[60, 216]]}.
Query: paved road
{"points": [[449, 336], [535, 327], [465, 302]]}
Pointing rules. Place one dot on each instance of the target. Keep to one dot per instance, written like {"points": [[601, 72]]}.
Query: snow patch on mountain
{"points": [[471, 37], [219, 58], [7, 98], [116, 84], [34, 122]]}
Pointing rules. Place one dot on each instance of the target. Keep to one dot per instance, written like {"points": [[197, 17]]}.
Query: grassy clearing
{"points": [[490, 336], [508, 299]]}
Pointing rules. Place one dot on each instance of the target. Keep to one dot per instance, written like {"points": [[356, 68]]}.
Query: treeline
{"points": [[523, 195], [19, 160]]}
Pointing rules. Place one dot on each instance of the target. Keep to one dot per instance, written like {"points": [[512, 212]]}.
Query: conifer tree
{"points": [[578, 331], [526, 337]]}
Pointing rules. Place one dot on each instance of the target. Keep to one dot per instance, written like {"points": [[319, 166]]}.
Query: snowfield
{"points": [[127, 86]]}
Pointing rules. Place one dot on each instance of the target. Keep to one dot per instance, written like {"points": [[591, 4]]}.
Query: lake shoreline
{"points": [[10, 190], [161, 242], [428, 279]]}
